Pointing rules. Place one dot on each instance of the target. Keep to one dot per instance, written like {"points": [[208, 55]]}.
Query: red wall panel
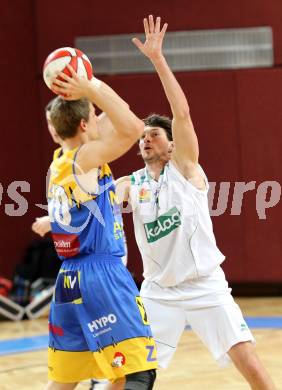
{"points": [[259, 103], [58, 23], [20, 154], [232, 111]]}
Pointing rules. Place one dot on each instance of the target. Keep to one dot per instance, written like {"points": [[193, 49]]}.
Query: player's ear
{"points": [[170, 146], [83, 124]]}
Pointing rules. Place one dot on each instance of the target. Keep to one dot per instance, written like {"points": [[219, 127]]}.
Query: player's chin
{"points": [[148, 158], [147, 152], [144, 155]]}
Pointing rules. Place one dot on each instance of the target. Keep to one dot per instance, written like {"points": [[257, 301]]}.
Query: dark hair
{"points": [[66, 115], [155, 120], [49, 105]]}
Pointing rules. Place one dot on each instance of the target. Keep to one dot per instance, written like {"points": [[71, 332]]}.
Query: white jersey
{"points": [[173, 228]]}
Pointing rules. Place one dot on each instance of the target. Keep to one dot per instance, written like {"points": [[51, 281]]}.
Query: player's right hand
{"points": [[41, 225], [71, 88], [152, 47]]}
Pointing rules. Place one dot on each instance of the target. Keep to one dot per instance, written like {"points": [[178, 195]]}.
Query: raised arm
{"points": [[186, 150], [127, 128], [104, 124]]}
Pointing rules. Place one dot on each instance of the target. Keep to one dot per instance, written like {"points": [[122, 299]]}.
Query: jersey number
{"points": [[59, 206]]}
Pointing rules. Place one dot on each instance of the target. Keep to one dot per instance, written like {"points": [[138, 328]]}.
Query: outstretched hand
{"points": [[71, 87], [152, 48], [41, 225]]}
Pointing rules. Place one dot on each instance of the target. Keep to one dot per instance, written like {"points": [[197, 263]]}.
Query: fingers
{"points": [[157, 25], [37, 228], [34, 227], [41, 226], [163, 30], [67, 97], [72, 71], [57, 89], [146, 26], [62, 84], [151, 24], [59, 82], [151, 27], [138, 43], [64, 76], [63, 80]]}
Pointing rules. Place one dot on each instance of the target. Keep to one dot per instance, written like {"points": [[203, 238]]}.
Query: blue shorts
{"points": [[98, 325]]}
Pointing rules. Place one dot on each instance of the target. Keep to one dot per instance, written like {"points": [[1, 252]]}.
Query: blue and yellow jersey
{"points": [[83, 222]]}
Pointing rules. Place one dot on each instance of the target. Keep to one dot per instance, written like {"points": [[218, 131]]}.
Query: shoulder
{"points": [[191, 172], [122, 179], [86, 156], [138, 177], [57, 153]]}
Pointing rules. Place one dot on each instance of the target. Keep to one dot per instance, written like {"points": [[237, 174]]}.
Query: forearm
{"points": [[124, 121], [185, 139], [174, 93]]}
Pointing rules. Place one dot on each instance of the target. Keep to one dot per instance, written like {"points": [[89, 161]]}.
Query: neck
{"points": [[155, 168], [74, 142]]}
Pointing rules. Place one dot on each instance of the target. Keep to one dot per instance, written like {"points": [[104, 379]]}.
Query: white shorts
{"points": [[212, 314]]}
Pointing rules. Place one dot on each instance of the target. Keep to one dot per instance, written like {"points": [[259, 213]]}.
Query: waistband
{"points": [[92, 257]]}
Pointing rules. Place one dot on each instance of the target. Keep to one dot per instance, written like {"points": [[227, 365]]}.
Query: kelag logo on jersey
{"points": [[68, 287], [162, 226]]}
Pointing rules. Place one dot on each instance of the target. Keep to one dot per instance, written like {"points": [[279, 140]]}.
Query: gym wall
{"points": [[236, 114]]}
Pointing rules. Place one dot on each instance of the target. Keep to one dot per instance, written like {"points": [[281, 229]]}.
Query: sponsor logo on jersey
{"points": [[162, 226], [66, 245], [144, 195], [118, 360], [57, 330], [244, 326], [118, 230], [142, 310], [62, 244], [102, 325], [151, 357], [68, 289]]}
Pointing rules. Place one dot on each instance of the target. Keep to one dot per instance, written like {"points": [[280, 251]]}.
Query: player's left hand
{"points": [[152, 48], [41, 225]]}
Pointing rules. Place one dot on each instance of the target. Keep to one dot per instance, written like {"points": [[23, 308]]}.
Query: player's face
{"points": [[92, 129], [52, 130], [154, 145]]}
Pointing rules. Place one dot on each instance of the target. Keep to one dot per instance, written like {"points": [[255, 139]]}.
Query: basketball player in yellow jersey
{"points": [[97, 324], [42, 225]]}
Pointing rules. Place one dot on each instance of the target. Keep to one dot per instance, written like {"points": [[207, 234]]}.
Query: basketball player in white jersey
{"points": [[184, 283]]}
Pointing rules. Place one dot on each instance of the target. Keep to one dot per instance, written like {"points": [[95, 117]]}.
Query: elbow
{"points": [[185, 112], [182, 113], [134, 133], [140, 128], [137, 130]]}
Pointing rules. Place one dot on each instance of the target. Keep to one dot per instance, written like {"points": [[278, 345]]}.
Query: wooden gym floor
{"points": [[192, 367]]}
